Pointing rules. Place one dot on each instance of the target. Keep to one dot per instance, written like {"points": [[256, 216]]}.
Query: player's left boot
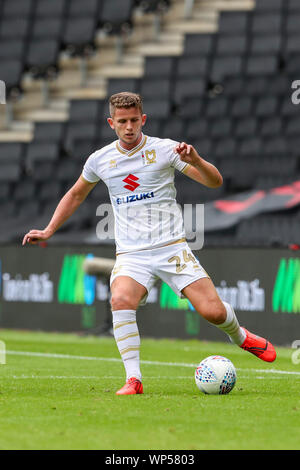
{"points": [[133, 386], [258, 346]]}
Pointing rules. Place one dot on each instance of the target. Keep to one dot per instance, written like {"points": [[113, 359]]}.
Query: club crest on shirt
{"points": [[150, 156], [113, 164]]}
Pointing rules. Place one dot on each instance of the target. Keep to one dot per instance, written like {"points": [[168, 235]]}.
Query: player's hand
{"points": [[187, 153], [35, 236]]}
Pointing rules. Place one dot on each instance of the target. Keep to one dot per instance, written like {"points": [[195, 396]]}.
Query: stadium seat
{"points": [[24, 190], [116, 17], [236, 21], [270, 5], [217, 107], [10, 172], [11, 152], [42, 57], [198, 44], [159, 66], [187, 88], [85, 110], [86, 8], [53, 9], [49, 28], [79, 35], [173, 129], [155, 88], [17, 8], [12, 49], [233, 44], [125, 84], [49, 131], [271, 126], [258, 65], [49, 191], [266, 44], [191, 67], [157, 108], [266, 22], [223, 67], [5, 189]]}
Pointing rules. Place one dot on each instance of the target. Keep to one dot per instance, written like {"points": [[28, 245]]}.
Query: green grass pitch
{"points": [[57, 391]]}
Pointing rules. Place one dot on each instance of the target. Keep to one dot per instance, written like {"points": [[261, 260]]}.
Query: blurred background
{"points": [[219, 74]]}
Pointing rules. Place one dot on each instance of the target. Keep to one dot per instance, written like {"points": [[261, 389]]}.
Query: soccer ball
{"points": [[215, 375]]}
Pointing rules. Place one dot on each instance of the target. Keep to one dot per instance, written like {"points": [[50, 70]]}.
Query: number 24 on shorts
{"points": [[181, 263]]}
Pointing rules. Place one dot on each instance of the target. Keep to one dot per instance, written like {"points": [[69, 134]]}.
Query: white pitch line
{"points": [[152, 363]]}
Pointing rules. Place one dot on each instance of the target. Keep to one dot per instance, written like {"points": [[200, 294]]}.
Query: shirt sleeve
{"points": [[89, 172], [174, 158]]}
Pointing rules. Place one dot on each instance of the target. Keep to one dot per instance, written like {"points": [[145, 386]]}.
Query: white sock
{"points": [[127, 337], [231, 326]]}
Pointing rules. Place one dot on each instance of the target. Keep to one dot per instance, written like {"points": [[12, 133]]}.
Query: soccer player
{"points": [[149, 234]]}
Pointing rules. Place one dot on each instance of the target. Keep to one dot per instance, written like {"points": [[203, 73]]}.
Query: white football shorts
{"points": [[174, 264]]}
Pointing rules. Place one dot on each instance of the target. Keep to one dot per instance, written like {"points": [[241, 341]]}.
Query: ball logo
{"points": [[131, 182]]}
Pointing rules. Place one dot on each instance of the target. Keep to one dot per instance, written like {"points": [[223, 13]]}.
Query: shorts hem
{"points": [[205, 276]]}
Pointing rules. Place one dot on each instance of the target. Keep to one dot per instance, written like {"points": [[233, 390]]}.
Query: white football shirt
{"points": [[142, 191]]}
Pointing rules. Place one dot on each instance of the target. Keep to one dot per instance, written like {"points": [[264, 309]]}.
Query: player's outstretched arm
{"points": [[198, 169], [66, 207]]}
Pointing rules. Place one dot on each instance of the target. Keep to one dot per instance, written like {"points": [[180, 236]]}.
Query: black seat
{"points": [[10, 172], [231, 44], [233, 21], [246, 127], [12, 49], [11, 152], [17, 9], [188, 87], [155, 88], [115, 85], [85, 110], [115, 17], [198, 44], [53, 9], [13, 28], [42, 58], [191, 67], [79, 35], [159, 66], [223, 67], [86, 8], [50, 28], [266, 22], [49, 131], [262, 64], [270, 5]]}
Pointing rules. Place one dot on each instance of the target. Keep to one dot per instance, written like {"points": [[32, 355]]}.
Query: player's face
{"points": [[127, 124]]}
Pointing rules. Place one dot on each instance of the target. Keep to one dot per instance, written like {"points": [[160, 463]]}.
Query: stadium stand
{"points": [[228, 93]]}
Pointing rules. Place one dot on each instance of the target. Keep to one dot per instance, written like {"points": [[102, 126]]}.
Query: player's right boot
{"points": [[133, 386], [258, 346]]}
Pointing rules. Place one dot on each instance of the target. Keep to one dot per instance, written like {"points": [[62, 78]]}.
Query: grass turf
{"points": [[60, 402]]}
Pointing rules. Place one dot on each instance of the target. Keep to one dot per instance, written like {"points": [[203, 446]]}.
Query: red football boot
{"points": [[258, 346], [133, 386]]}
